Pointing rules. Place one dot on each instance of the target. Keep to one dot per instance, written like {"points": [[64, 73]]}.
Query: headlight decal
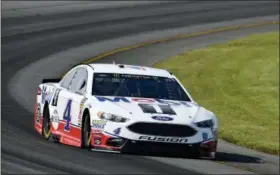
{"points": [[98, 124], [112, 117], [205, 124]]}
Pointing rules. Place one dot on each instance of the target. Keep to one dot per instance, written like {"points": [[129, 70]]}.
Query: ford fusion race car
{"points": [[124, 108]]}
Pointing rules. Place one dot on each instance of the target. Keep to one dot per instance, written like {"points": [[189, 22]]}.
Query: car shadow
{"points": [[233, 157], [220, 156]]}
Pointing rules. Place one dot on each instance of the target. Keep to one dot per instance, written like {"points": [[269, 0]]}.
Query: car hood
{"points": [[148, 109]]}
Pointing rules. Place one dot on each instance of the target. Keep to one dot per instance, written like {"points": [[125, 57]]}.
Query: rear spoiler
{"points": [[51, 80]]}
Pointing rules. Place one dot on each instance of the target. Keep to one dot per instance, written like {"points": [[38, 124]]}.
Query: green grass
{"points": [[239, 81]]}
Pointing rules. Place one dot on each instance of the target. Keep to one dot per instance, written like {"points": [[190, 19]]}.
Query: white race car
{"points": [[124, 108]]}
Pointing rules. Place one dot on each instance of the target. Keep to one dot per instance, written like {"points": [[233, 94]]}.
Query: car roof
{"points": [[129, 69]]}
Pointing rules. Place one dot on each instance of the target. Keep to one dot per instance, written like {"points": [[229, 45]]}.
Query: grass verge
{"points": [[239, 81]]}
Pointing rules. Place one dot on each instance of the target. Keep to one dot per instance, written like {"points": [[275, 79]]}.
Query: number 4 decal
{"points": [[67, 115]]}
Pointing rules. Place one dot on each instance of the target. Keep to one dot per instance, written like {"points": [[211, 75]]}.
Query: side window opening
{"points": [[78, 85], [66, 81]]}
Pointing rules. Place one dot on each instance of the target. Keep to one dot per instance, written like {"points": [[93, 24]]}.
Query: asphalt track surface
{"points": [[32, 38]]}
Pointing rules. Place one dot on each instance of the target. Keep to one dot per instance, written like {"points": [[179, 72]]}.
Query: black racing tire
{"points": [[46, 127], [86, 132], [195, 153]]}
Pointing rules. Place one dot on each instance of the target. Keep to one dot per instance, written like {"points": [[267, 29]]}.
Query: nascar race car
{"points": [[124, 108]]}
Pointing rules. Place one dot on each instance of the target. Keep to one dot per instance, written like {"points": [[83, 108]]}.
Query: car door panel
{"points": [[69, 110], [68, 114]]}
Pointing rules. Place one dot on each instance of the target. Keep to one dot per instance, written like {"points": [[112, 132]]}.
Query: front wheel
{"points": [[86, 132], [195, 153], [46, 129]]}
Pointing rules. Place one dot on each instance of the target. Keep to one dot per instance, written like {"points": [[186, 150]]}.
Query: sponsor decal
{"points": [[163, 139], [117, 131], [172, 103], [204, 136], [98, 121], [83, 101], [115, 99], [38, 113], [162, 118], [96, 131], [55, 119], [55, 98], [50, 95], [97, 141], [97, 135], [80, 116], [98, 124], [47, 94], [142, 100]]}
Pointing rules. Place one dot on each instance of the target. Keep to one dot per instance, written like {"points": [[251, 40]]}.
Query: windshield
{"points": [[128, 85]]}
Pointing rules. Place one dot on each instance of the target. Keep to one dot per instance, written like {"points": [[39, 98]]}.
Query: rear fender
{"points": [[44, 96], [38, 115]]}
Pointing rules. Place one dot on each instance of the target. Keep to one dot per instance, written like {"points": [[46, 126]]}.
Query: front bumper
{"points": [[110, 143], [154, 139], [158, 147]]}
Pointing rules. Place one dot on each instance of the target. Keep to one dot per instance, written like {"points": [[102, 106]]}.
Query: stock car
{"points": [[124, 108]]}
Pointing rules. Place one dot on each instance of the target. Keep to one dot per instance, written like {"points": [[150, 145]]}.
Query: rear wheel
{"points": [[46, 129], [86, 132]]}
